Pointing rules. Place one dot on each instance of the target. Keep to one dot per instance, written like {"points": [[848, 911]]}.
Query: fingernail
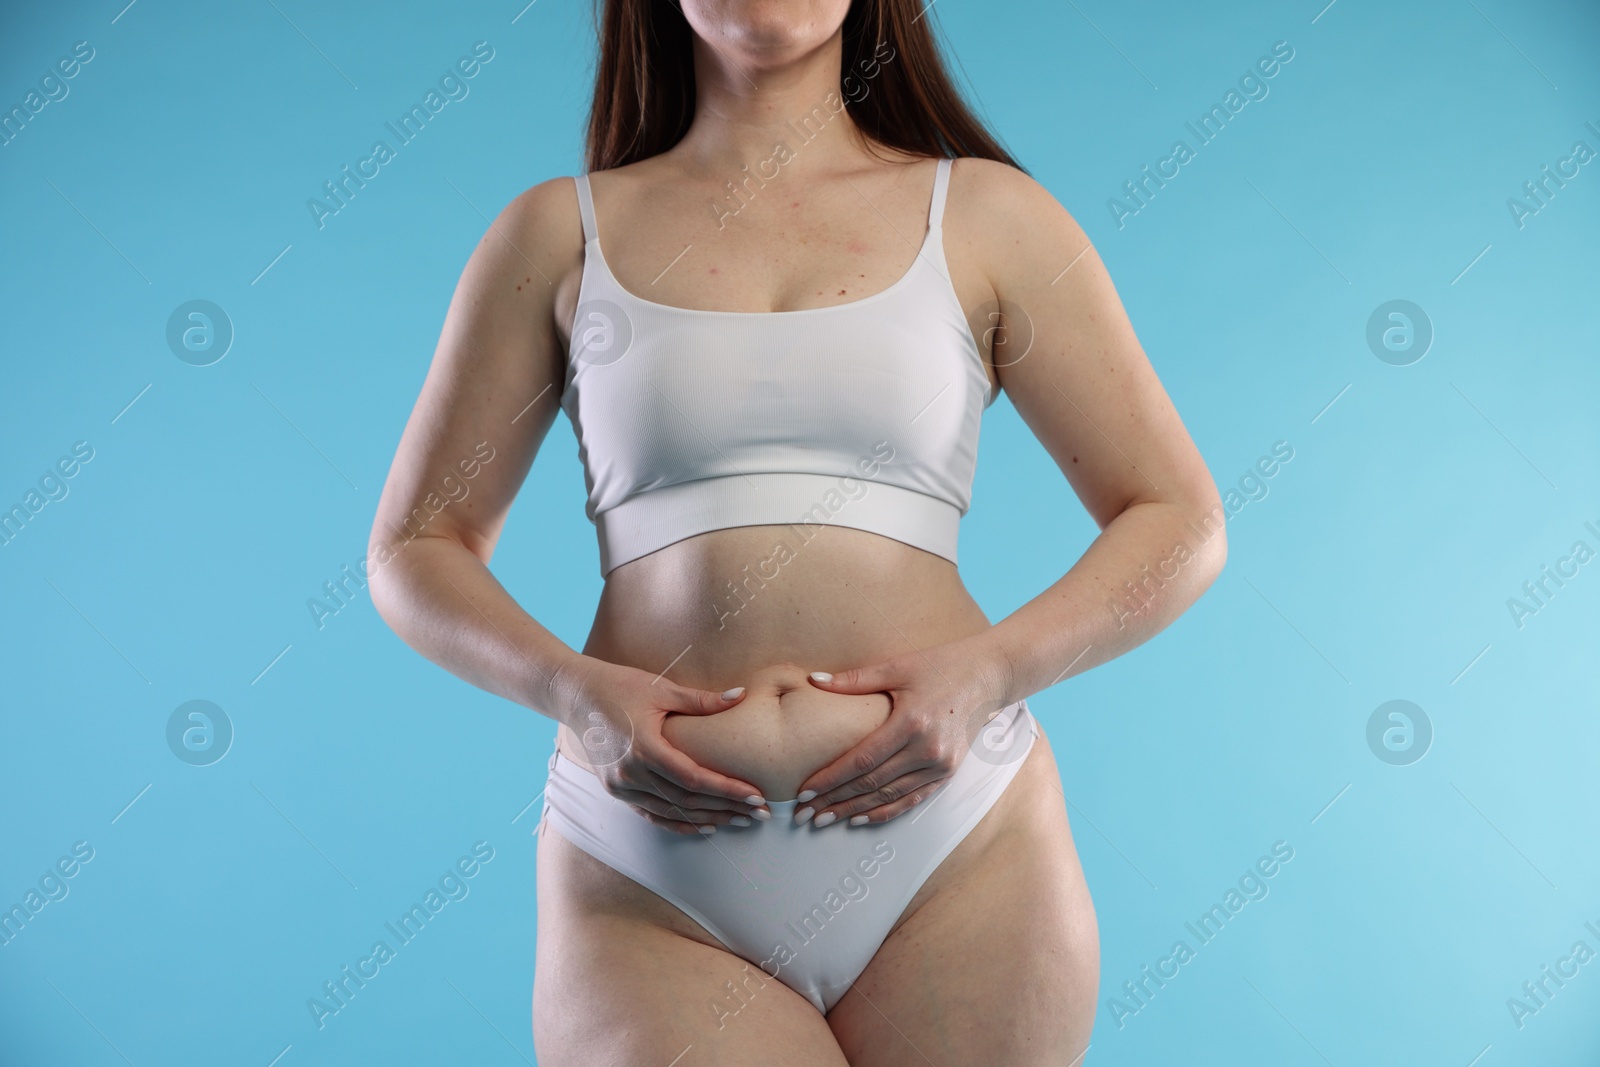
{"points": [[739, 820], [809, 794], [803, 814], [858, 820], [755, 800], [821, 676], [824, 819], [733, 694], [762, 813], [708, 829]]}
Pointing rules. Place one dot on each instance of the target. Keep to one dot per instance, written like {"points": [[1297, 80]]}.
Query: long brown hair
{"points": [[644, 92]]}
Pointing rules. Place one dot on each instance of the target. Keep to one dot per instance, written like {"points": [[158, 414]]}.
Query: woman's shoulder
{"points": [[548, 210], [1006, 219], [986, 185]]}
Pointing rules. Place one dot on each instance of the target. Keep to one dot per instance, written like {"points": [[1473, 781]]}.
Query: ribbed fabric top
{"points": [[863, 414]]}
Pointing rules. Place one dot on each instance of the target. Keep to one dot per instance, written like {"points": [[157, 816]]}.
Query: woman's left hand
{"points": [[939, 699]]}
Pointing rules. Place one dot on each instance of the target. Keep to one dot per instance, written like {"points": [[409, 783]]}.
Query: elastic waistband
{"points": [[657, 518]]}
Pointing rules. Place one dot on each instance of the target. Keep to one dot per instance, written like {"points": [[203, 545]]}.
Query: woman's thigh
{"points": [[623, 978], [999, 964]]}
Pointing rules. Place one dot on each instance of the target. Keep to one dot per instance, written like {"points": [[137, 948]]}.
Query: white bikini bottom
{"points": [[809, 906]]}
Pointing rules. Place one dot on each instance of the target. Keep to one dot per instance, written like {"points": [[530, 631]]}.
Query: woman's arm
{"points": [[1087, 391], [489, 398], [1068, 358]]}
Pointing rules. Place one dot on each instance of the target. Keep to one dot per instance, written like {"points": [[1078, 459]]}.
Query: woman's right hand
{"points": [[617, 712]]}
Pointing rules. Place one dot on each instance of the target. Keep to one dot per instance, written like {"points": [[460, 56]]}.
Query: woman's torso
{"points": [[756, 605]]}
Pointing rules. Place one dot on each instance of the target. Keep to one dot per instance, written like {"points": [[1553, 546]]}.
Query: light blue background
{"points": [[1378, 567]]}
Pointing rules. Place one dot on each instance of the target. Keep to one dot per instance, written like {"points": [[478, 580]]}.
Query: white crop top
{"points": [[863, 414]]}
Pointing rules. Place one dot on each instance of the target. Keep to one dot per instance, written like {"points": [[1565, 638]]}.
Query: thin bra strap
{"points": [[586, 207], [941, 182]]}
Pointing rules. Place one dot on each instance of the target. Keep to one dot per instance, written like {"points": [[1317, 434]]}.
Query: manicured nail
{"points": [[739, 820], [707, 829], [762, 813], [803, 814], [824, 819], [821, 676], [858, 820], [809, 794], [733, 694], [755, 800]]}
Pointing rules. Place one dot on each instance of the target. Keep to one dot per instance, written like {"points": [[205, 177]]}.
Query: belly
{"points": [[731, 602], [715, 611], [784, 729]]}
